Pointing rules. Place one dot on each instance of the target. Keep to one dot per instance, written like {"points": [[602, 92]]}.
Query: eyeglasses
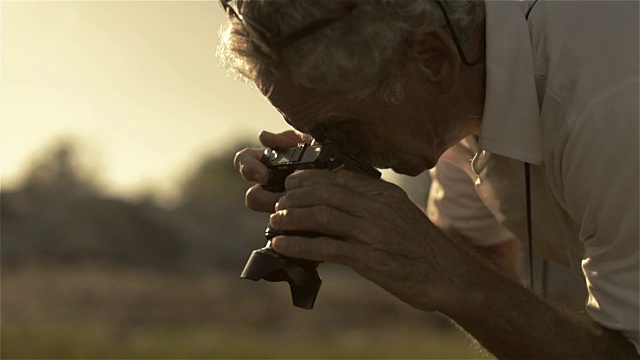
{"points": [[271, 45], [455, 37]]}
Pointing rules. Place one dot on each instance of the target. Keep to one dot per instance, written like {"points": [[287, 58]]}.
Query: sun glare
{"points": [[138, 82]]}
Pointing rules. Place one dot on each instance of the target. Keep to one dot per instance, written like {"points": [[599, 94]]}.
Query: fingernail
{"points": [[274, 218]]}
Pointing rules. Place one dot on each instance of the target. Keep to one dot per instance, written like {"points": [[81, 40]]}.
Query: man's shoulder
{"points": [[584, 50]]}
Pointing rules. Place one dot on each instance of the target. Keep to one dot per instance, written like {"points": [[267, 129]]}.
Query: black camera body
{"points": [[265, 263]]}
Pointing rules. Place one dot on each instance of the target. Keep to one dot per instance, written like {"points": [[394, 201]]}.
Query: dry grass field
{"points": [[104, 312]]}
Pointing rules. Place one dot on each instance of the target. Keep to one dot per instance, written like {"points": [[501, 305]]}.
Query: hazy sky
{"points": [[137, 82]]}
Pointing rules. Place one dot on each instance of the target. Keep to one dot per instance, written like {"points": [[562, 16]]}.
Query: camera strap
{"points": [[527, 192], [527, 179], [545, 263]]}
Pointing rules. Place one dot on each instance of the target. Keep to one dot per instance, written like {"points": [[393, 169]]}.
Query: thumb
{"points": [[286, 139]]}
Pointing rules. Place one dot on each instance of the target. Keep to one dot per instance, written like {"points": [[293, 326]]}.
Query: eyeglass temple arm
{"points": [[455, 38]]}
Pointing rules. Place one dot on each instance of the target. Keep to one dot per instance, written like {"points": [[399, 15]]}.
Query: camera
{"points": [[323, 153]]}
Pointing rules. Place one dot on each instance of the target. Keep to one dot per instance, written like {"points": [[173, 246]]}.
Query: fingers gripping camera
{"points": [[302, 275], [282, 163]]}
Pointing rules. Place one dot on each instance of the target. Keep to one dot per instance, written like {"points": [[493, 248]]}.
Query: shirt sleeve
{"points": [[454, 203], [600, 165]]}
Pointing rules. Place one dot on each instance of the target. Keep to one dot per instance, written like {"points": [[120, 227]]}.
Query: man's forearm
{"points": [[504, 256], [511, 322]]}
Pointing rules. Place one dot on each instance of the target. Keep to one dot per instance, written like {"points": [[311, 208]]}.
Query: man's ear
{"points": [[437, 58]]}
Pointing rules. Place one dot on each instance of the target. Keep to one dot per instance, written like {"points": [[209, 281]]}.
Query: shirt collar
{"points": [[510, 125]]}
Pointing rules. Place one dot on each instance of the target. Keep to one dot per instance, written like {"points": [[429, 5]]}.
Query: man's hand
{"points": [[247, 161], [374, 228], [371, 226]]}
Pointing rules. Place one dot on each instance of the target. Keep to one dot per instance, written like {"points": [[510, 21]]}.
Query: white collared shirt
{"points": [[562, 95]]}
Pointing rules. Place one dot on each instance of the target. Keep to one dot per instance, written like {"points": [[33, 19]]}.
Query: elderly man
{"points": [[528, 115]]}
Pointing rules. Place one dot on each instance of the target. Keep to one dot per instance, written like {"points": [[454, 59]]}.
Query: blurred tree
{"points": [[214, 179], [60, 214], [211, 206], [60, 171]]}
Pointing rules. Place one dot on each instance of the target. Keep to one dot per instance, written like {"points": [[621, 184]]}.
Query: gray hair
{"points": [[358, 55]]}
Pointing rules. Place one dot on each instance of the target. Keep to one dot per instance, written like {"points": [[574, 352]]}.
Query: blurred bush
{"points": [[87, 275], [211, 211], [60, 214], [60, 171]]}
